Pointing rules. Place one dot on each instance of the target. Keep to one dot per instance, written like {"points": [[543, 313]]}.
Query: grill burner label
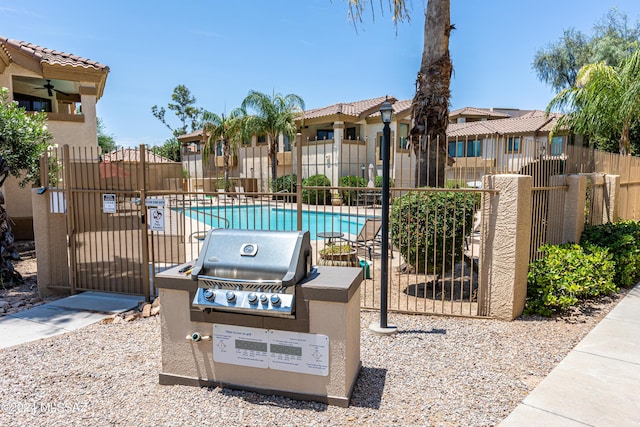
{"points": [[271, 349]]}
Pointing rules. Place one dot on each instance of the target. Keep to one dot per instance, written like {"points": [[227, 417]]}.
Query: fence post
{"points": [[50, 235], [506, 239]]}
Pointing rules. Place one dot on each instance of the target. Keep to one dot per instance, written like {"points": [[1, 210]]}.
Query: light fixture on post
{"points": [[386, 111], [362, 169]]}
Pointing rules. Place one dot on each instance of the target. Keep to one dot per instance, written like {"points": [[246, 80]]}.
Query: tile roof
{"points": [[478, 112], [133, 155], [354, 109], [192, 135], [518, 125], [50, 56]]}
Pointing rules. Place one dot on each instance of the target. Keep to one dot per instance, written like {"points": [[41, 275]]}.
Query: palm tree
{"points": [[430, 107], [604, 101], [273, 115], [229, 131]]}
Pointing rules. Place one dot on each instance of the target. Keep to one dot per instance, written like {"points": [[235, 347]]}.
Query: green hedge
{"points": [[566, 274], [314, 196], [622, 239], [377, 181], [350, 197], [286, 183], [426, 227]]}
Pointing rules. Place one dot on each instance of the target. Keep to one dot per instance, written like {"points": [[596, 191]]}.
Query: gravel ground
{"points": [[436, 371]]}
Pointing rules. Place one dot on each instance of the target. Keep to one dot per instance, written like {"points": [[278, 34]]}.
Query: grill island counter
{"points": [[311, 354]]}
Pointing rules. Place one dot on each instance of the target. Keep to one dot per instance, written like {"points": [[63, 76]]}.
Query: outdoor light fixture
{"points": [[386, 111]]}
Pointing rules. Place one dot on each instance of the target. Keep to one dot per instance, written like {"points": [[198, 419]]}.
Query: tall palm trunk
{"points": [[273, 148], [226, 155], [431, 102]]}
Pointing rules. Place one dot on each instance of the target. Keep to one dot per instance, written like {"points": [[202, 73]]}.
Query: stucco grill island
{"points": [[253, 313]]}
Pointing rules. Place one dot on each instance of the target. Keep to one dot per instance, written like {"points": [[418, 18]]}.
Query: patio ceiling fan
{"points": [[50, 89]]}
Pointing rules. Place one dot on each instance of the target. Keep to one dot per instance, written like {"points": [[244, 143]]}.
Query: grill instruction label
{"points": [[271, 349]]}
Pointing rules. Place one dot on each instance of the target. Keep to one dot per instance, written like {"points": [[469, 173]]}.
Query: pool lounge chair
{"points": [[223, 197], [367, 237], [240, 194]]}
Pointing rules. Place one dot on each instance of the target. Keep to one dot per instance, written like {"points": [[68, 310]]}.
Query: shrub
{"points": [[378, 181], [286, 183], [429, 227], [622, 239], [350, 197], [567, 273], [314, 196]]}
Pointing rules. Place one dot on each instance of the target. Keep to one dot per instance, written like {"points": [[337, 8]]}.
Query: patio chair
{"points": [[240, 194], [223, 197], [367, 237]]}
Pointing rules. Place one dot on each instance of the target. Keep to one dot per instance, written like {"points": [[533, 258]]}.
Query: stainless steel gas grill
{"points": [[253, 314], [251, 272]]}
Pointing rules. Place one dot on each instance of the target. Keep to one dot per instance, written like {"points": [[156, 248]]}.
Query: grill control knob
{"points": [[209, 295], [263, 299], [252, 298], [275, 300], [231, 296]]}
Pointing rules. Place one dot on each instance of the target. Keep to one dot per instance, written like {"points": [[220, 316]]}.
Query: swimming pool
{"points": [[271, 218]]}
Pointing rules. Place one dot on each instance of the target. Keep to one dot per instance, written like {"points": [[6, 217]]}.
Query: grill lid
{"points": [[272, 259]]}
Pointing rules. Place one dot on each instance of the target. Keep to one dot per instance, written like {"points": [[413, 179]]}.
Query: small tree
{"points": [[169, 150], [106, 142], [23, 139], [184, 108]]}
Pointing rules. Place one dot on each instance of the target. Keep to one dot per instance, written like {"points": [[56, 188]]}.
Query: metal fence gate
{"points": [[106, 231]]}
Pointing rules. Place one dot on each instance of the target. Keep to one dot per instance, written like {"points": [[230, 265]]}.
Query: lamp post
{"points": [[362, 168], [386, 111]]}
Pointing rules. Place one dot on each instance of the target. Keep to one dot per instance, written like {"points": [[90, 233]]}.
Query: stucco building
{"points": [[66, 87]]}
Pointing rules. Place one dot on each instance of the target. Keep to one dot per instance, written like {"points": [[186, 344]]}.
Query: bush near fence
{"points": [[428, 228], [566, 274], [351, 197], [622, 238], [608, 256], [313, 196]]}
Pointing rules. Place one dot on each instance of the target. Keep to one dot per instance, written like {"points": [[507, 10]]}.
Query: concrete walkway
{"points": [[63, 315], [598, 383]]}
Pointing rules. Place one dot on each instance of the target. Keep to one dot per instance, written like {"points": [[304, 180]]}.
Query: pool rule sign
{"points": [[271, 349], [156, 214], [109, 203]]}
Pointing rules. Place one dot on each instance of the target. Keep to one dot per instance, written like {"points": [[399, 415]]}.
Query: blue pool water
{"points": [[270, 218]]}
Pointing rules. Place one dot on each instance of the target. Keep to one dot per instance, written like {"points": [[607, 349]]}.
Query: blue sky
{"points": [[222, 49]]}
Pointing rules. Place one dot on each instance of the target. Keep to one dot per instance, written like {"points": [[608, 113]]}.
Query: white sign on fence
{"points": [[149, 202], [109, 203], [156, 219]]}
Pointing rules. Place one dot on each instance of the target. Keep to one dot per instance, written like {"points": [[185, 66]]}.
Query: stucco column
{"points": [[338, 134], [50, 234], [505, 250]]}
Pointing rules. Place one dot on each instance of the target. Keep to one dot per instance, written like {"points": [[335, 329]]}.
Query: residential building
{"points": [[66, 87], [345, 139]]}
